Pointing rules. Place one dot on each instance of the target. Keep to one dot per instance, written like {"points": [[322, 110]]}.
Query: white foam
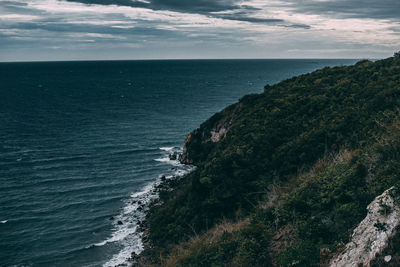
{"points": [[119, 235], [127, 234], [181, 172], [167, 148], [125, 253], [130, 208], [165, 159], [131, 216], [4, 221], [169, 161], [145, 190]]}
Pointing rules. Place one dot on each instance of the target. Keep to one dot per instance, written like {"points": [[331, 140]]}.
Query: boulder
{"points": [[173, 156]]}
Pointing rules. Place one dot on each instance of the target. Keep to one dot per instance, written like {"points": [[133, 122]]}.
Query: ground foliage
{"points": [[322, 146]]}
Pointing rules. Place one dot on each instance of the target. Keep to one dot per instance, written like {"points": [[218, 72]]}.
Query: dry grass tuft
{"points": [[184, 250]]}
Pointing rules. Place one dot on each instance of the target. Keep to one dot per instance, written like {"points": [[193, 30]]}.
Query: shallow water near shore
{"points": [[83, 143]]}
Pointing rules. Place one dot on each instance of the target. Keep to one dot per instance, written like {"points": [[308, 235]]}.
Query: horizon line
{"points": [[182, 59]]}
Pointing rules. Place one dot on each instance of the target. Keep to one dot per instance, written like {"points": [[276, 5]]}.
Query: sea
{"points": [[84, 143]]}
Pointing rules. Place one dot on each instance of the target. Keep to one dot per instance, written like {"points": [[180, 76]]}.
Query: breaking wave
{"points": [[127, 231]]}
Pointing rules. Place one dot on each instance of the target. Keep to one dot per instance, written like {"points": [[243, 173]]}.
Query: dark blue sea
{"points": [[82, 144]]}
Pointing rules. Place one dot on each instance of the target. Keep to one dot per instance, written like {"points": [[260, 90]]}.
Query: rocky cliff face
{"points": [[371, 236], [185, 157], [199, 143]]}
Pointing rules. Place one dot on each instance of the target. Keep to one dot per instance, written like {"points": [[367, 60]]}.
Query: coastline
{"points": [[296, 154], [142, 203], [166, 184]]}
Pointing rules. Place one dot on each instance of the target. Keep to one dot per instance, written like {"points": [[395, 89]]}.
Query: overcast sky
{"points": [[167, 29]]}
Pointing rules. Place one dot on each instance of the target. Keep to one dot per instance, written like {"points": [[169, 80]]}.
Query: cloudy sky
{"points": [[160, 29]]}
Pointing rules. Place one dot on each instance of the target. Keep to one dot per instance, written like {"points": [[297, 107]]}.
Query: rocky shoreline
{"points": [[165, 184]]}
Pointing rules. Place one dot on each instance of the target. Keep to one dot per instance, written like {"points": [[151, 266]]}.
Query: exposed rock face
{"points": [[185, 156], [217, 134], [210, 132], [372, 234]]}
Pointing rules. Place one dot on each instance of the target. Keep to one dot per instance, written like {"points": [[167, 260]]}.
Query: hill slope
{"points": [[284, 177]]}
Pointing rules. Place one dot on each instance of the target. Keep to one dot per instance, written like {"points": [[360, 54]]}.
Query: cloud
{"points": [[375, 9], [199, 28], [347, 8], [212, 8], [194, 6], [131, 3]]}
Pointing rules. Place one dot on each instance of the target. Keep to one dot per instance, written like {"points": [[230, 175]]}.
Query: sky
{"points": [[46, 30]]}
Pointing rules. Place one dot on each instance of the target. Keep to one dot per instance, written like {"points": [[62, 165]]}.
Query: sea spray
{"points": [[127, 230]]}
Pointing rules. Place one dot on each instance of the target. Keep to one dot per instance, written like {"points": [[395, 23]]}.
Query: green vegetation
{"points": [[300, 163]]}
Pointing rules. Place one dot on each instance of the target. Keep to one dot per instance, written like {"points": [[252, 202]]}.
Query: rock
{"points": [[217, 134], [134, 256], [111, 218], [173, 156], [388, 258], [211, 131], [120, 223], [371, 236], [184, 158]]}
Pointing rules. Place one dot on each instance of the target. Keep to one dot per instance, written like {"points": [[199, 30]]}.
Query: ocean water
{"points": [[82, 143]]}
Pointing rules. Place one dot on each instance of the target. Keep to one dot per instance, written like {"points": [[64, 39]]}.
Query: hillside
{"points": [[284, 177]]}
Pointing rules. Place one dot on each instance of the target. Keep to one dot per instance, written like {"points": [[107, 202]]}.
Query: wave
{"points": [[126, 225], [169, 161], [123, 256], [166, 159], [167, 148], [127, 231], [119, 235]]}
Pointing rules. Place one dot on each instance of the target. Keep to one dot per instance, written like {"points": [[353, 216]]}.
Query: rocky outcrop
{"points": [[185, 157], [198, 143], [371, 236], [173, 156]]}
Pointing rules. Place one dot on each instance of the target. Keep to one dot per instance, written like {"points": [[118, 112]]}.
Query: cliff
{"points": [[198, 143], [283, 178]]}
